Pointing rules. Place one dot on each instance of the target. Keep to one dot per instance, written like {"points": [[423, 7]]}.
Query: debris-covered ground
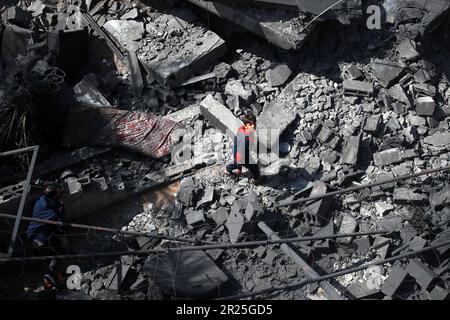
{"points": [[130, 102]]}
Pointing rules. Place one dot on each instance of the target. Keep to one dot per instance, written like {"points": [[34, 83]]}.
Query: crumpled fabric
{"points": [[140, 132]]}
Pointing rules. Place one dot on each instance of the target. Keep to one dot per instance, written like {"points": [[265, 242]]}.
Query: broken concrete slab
{"points": [[386, 72], [220, 116], [362, 245], [351, 150], [195, 217], [394, 285], [372, 124], [352, 72], [186, 274], [208, 196], [187, 192], [424, 276], [220, 216], [438, 139], [439, 293], [387, 157], [278, 74], [405, 194], [399, 94], [348, 225], [391, 223], [438, 200], [235, 221], [358, 88], [200, 48], [320, 208], [360, 290], [407, 49], [425, 106], [87, 93], [280, 27], [126, 33]]}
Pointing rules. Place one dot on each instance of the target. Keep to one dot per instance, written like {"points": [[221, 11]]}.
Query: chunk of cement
{"points": [[278, 74], [425, 106], [219, 116], [438, 139], [387, 157], [351, 150]]}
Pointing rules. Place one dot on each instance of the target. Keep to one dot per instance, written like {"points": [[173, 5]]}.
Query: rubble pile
{"points": [[352, 106]]}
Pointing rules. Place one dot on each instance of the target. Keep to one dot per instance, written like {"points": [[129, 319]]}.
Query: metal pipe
{"points": [[332, 275], [329, 289], [17, 151], [103, 229], [26, 190], [187, 248], [364, 186]]}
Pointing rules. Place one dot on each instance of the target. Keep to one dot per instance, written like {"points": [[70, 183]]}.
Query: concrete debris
{"points": [[386, 72], [404, 194], [438, 139], [278, 74], [425, 106], [88, 94], [407, 49], [150, 81], [358, 88], [219, 115], [387, 157]]}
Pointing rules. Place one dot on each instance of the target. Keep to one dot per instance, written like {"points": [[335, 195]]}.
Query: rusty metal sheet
{"points": [[136, 131]]}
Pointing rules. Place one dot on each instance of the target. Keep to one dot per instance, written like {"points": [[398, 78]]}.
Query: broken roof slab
{"points": [[280, 27]]}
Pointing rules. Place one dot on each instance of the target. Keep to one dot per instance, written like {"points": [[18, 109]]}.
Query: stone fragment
{"points": [[387, 157], [278, 74], [425, 106], [386, 72], [405, 194]]}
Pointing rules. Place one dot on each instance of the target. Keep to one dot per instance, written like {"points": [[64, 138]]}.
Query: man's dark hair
{"points": [[249, 118], [51, 188]]}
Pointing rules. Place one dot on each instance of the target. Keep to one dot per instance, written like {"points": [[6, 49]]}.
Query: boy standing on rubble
{"points": [[243, 140]]}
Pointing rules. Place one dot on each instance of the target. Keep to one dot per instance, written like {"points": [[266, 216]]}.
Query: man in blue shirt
{"points": [[46, 238]]}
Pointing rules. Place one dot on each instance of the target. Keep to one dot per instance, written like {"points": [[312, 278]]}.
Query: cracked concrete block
{"points": [[387, 157], [195, 217], [351, 150], [424, 276], [386, 72], [235, 221], [425, 106], [358, 88], [126, 33], [220, 216], [278, 74], [175, 49], [438, 139], [405, 194], [219, 115], [372, 124], [407, 49], [399, 94]]}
